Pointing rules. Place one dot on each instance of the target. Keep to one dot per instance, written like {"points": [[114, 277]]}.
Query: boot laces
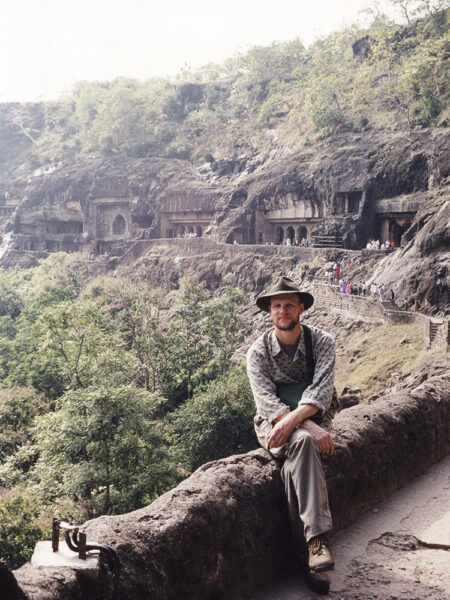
{"points": [[318, 544]]}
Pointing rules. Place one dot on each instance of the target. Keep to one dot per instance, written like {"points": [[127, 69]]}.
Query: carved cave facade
{"points": [[107, 223]]}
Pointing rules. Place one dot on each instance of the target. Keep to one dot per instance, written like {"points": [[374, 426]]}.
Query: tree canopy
{"points": [[96, 378]]}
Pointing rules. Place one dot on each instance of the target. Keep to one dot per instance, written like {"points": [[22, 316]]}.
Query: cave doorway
{"points": [[190, 229], [290, 234], [392, 229], [119, 225], [396, 232], [279, 236], [198, 231], [302, 234]]}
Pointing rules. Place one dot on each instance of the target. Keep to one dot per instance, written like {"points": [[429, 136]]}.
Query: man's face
{"points": [[285, 311]]}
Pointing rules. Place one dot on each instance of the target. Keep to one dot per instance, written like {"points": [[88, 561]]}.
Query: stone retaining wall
{"points": [[372, 310], [224, 532], [376, 312], [190, 246]]}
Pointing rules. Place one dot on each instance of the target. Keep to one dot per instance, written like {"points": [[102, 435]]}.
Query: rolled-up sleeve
{"points": [[268, 405], [320, 392]]}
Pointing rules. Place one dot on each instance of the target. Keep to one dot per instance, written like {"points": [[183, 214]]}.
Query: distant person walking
{"points": [[337, 270]]}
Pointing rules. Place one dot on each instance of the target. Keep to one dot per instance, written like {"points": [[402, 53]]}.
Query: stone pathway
{"points": [[398, 551]]}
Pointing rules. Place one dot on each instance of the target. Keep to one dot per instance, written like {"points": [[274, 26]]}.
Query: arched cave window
{"points": [[302, 233], [119, 225], [290, 234]]}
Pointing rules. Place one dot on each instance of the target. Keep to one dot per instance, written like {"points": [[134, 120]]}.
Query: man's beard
{"points": [[289, 327]]}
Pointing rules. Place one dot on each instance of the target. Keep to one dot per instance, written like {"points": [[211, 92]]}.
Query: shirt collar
{"points": [[276, 348]]}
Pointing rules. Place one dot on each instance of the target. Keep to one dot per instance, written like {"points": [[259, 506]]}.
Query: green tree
{"points": [[18, 408], [224, 326], [103, 448]]}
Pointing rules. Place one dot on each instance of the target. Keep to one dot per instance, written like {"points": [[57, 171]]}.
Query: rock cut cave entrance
{"points": [[290, 234], [392, 229], [302, 234]]}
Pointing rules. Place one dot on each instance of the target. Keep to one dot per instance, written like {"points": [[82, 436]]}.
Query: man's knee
{"points": [[302, 442]]}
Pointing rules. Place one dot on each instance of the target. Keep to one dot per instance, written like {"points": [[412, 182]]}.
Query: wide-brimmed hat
{"points": [[283, 285]]}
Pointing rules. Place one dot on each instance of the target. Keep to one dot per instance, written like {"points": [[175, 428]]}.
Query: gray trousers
{"points": [[304, 482]]}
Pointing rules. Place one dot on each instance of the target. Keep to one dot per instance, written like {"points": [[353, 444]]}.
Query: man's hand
{"points": [[322, 437], [284, 426], [287, 422]]}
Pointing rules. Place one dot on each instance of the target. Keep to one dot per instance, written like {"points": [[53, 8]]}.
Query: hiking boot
{"points": [[316, 582], [320, 557]]}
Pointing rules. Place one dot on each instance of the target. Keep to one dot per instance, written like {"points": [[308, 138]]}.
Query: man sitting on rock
{"points": [[291, 372]]}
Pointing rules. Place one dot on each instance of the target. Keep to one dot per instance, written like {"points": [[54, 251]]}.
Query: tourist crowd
{"points": [[334, 277], [375, 245]]}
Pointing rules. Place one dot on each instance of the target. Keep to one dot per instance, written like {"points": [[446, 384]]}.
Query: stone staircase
{"points": [[434, 328], [327, 241]]}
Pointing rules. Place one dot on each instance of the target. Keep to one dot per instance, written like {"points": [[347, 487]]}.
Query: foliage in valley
{"points": [[109, 396]]}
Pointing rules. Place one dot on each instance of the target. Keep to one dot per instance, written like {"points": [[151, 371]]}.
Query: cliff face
{"points": [[340, 186], [341, 192], [420, 270]]}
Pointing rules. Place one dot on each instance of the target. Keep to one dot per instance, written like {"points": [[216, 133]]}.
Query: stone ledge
{"points": [[224, 531]]}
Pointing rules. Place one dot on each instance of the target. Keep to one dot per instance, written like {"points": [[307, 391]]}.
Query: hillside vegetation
{"points": [[388, 76], [111, 392]]}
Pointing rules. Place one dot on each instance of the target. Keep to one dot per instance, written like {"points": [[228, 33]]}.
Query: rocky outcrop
{"points": [[423, 263], [251, 268], [71, 207], [224, 531]]}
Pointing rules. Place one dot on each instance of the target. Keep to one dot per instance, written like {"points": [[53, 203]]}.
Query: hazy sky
{"points": [[48, 45]]}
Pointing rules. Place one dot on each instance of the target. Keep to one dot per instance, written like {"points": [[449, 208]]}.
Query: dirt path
{"points": [[398, 551]]}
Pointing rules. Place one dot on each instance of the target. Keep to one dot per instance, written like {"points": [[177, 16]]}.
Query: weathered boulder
{"points": [[224, 531], [55, 583], [8, 584]]}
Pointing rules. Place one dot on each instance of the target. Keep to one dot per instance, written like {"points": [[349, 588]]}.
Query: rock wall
{"points": [[420, 270], [348, 187], [224, 532]]}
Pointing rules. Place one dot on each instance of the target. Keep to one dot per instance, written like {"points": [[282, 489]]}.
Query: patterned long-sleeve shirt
{"points": [[268, 366]]}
